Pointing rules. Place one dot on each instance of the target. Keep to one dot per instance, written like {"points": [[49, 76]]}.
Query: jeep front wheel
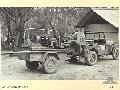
{"points": [[91, 59], [115, 53]]}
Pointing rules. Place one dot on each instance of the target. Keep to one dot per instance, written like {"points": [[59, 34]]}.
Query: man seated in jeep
{"points": [[79, 36]]}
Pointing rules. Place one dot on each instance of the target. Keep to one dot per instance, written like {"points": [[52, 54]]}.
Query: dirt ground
{"points": [[14, 69]]}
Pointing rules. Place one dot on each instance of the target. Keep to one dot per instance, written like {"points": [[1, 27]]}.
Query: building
{"points": [[101, 20]]}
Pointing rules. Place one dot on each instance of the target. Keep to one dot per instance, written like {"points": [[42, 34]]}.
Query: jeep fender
{"points": [[90, 48], [45, 55]]}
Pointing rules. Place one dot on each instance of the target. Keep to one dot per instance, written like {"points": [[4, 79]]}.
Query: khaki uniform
{"points": [[80, 37]]}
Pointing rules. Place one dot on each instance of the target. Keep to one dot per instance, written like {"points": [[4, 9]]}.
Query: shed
{"points": [[101, 20]]}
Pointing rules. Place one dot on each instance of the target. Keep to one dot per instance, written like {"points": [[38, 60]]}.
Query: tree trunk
{"points": [[20, 39], [9, 29], [19, 33], [11, 39]]}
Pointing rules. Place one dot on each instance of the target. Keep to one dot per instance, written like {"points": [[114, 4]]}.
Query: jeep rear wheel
{"points": [[91, 59], [32, 65], [50, 65], [115, 53]]}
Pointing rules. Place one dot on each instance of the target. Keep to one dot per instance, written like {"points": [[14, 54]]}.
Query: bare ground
{"points": [[14, 69]]}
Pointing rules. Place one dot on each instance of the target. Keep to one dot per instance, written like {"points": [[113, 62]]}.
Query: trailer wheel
{"points": [[50, 65], [73, 60], [115, 53], [91, 59], [32, 65]]}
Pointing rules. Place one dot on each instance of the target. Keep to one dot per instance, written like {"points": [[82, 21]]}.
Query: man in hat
{"points": [[79, 36]]}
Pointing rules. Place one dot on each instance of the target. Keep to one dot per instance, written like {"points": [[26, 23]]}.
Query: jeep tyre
{"points": [[115, 53], [91, 59], [50, 65]]}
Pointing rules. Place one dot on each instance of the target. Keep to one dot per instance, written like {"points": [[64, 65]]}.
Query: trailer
{"points": [[49, 58]]}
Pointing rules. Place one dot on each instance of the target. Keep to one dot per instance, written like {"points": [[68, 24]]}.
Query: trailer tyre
{"points": [[32, 65], [73, 60], [50, 65], [115, 54], [91, 59]]}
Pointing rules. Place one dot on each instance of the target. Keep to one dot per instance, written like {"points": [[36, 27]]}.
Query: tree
{"points": [[19, 16], [63, 19]]}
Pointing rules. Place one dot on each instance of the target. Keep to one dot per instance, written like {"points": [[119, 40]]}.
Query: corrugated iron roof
{"points": [[110, 15], [100, 16]]}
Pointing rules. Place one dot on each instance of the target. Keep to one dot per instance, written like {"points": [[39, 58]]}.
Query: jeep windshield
{"points": [[95, 35]]}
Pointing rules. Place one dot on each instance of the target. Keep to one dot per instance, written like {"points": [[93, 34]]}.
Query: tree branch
{"points": [[8, 14], [54, 32], [45, 13], [26, 14]]}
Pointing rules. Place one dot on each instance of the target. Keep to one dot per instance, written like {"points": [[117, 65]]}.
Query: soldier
{"points": [[79, 36]]}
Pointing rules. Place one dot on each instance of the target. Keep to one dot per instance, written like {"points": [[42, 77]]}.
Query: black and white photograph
{"points": [[59, 43]]}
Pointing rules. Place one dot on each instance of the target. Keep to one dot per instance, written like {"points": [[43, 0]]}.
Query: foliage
{"points": [[61, 19], [16, 16]]}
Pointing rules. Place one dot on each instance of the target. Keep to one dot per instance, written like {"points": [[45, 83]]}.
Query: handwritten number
{"points": [[111, 86]]}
